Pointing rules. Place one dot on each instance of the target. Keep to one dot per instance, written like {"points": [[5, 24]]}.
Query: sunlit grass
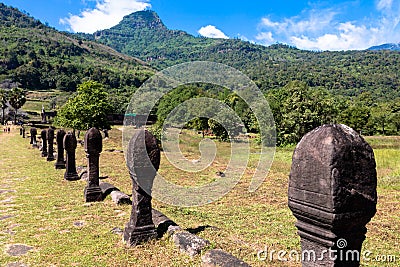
{"points": [[46, 208]]}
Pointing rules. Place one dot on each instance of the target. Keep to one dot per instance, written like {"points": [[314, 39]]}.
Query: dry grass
{"points": [[242, 223]]}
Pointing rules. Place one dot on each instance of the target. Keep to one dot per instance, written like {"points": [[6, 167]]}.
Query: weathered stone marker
{"points": [[60, 163], [33, 132], [332, 193], [143, 161], [43, 135], [70, 144], [105, 133], [50, 140], [93, 148]]}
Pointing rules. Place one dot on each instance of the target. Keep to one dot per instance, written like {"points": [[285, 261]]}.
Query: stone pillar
{"points": [[93, 148], [33, 132], [143, 161], [50, 140], [332, 193], [60, 163], [43, 135], [70, 144], [43, 115]]}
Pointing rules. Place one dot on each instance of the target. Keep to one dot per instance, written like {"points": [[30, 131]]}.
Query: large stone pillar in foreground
{"points": [[332, 193], [143, 161]]}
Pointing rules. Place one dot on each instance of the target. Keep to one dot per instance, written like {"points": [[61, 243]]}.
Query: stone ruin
{"points": [[332, 188], [93, 148], [33, 132], [60, 163], [70, 144], [332, 193], [143, 161], [43, 135], [50, 144]]}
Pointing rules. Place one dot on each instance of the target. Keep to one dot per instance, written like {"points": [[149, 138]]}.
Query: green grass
{"points": [[46, 208], [35, 106]]}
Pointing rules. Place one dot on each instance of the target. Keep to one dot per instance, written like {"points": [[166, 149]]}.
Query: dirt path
{"points": [[8, 210]]}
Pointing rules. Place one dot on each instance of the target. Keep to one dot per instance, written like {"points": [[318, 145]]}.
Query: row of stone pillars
{"points": [[65, 141], [332, 190], [47, 144]]}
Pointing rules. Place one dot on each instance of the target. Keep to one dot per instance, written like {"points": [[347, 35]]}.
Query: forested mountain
{"points": [[305, 89], [395, 47], [39, 57], [143, 35]]}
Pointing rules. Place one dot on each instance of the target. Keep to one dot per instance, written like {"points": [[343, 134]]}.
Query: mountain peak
{"points": [[143, 19], [389, 46]]}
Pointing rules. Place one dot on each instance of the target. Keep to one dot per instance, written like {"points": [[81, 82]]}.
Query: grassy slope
{"points": [[46, 208]]}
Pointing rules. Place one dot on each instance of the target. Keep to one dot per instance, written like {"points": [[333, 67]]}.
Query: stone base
{"points": [[321, 254], [71, 176], [136, 235], [189, 243], [50, 158], [217, 257], [93, 194], [59, 165]]}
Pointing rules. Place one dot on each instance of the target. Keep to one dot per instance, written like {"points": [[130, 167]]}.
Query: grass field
{"points": [[50, 214]]}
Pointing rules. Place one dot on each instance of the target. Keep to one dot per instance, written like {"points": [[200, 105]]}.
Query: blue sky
{"points": [[316, 25]]}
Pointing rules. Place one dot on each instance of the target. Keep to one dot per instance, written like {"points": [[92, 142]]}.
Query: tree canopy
{"points": [[16, 98], [88, 108], [3, 103]]}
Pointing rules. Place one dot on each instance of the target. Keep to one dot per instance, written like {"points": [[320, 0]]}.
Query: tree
{"points": [[243, 111], [381, 115], [357, 116], [17, 99], [3, 103], [300, 110], [199, 124], [226, 125], [395, 117], [88, 108]]}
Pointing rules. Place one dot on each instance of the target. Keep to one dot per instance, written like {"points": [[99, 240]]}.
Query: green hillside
{"points": [[143, 35], [39, 57], [305, 89]]}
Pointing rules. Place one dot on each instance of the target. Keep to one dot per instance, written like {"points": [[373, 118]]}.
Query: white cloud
{"points": [[315, 21], [268, 23], [106, 14], [384, 4], [325, 30], [266, 38], [212, 32], [349, 37]]}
